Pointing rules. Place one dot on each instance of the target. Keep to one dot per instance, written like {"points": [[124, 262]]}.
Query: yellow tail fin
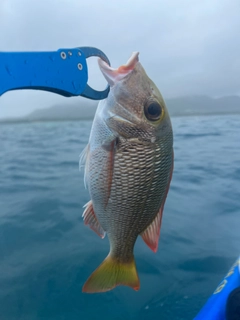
{"points": [[110, 274]]}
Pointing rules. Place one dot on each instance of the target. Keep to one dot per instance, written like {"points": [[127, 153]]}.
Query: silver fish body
{"points": [[129, 162]]}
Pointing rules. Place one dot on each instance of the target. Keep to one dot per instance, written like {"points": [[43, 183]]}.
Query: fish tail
{"points": [[112, 273]]}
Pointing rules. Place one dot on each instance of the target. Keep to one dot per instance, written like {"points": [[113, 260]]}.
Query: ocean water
{"points": [[46, 252]]}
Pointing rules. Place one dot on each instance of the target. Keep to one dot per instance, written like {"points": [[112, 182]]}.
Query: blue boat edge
{"points": [[215, 307]]}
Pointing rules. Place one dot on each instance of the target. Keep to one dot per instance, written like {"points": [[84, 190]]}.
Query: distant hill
{"points": [[182, 106], [203, 105], [64, 112]]}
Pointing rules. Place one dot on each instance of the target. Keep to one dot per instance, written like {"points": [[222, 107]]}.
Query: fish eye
{"points": [[153, 111]]}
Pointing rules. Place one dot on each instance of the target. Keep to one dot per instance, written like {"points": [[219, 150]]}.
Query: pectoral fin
{"points": [[90, 219], [110, 147]]}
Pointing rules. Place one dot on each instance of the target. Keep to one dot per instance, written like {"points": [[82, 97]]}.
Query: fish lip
{"points": [[113, 75], [131, 120], [121, 119]]}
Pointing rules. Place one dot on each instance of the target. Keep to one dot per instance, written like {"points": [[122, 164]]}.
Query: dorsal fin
{"points": [[151, 234], [90, 219]]}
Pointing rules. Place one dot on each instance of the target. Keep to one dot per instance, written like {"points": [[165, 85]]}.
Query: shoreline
{"points": [[18, 121]]}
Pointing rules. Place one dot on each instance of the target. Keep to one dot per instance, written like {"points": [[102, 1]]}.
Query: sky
{"points": [[187, 47]]}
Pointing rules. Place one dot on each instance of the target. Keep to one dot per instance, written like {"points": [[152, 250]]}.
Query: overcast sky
{"points": [[187, 47]]}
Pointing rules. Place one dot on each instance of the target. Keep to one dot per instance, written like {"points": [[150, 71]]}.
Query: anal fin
{"points": [[90, 219]]}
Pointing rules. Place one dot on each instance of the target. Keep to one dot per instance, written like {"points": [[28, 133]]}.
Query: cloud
{"points": [[188, 47]]}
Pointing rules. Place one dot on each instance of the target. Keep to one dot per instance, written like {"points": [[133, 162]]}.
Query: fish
{"points": [[128, 165]]}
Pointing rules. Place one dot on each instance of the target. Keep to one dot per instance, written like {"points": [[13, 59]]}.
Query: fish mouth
{"points": [[123, 117], [113, 75]]}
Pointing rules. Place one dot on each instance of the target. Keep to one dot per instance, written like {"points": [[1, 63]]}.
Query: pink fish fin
{"points": [[90, 219], [114, 75], [152, 233], [109, 146], [112, 273], [83, 163]]}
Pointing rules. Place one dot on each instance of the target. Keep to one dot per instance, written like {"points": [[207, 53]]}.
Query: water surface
{"points": [[46, 252]]}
